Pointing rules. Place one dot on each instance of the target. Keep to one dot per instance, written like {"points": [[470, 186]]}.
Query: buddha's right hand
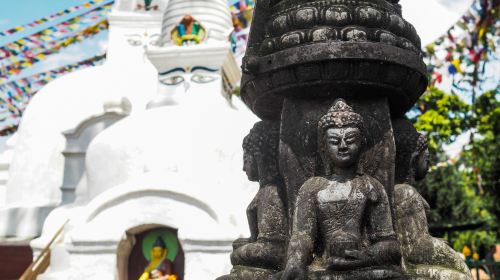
{"points": [[294, 272]]}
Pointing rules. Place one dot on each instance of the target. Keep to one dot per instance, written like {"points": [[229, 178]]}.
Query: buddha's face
{"points": [[343, 146], [157, 252], [422, 165], [250, 167]]}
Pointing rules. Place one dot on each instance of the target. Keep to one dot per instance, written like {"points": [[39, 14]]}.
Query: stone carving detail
{"points": [[424, 257], [342, 224], [337, 163], [339, 20], [359, 35], [266, 247]]}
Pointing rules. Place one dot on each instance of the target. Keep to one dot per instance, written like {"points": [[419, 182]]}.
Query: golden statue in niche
{"points": [[159, 267]]}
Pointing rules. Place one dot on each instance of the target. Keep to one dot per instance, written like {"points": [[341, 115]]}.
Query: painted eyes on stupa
{"points": [[203, 79], [196, 78], [171, 80], [134, 42], [154, 40]]}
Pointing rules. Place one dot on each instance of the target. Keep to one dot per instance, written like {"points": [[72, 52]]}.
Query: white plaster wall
{"points": [[95, 231]]}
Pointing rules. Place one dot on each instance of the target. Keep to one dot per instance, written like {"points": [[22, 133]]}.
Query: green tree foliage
{"points": [[443, 116], [464, 191]]}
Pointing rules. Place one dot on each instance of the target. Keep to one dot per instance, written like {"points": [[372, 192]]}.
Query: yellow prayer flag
{"points": [[482, 31], [457, 63]]}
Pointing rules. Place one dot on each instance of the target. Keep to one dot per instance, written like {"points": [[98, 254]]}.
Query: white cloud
{"points": [[456, 5], [432, 18]]}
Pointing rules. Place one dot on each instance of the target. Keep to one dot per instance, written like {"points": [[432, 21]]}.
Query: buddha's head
{"points": [[187, 20], [412, 154], [341, 137], [159, 250], [260, 157]]}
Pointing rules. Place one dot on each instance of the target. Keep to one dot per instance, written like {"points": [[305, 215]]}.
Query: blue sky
{"points": [[15, 13]]}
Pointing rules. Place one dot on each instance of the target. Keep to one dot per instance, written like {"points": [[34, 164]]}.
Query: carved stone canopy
{"points": [[334, 47]]}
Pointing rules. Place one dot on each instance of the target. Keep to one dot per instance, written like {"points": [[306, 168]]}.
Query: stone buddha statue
{"points": [[263, 254], [266, 213], [423, 255], [342, 227]]}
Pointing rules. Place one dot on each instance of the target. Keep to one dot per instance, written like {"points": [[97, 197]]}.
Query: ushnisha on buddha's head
{"points": [[260, 147], [341, 137]]}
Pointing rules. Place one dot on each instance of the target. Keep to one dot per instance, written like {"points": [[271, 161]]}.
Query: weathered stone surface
{"points": [[424, 257], [311, 48], [250, 273], [342, 221], [337, 157], [299, 159], [266, 247]]}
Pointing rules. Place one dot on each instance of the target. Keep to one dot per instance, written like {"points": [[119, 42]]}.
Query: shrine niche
{"points": [[188, 32], [156, 254]]}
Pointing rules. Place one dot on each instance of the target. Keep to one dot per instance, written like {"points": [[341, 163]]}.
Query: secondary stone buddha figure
{"points": [[159, 268], [188, 31], [266, 213], [424, 257], [342, 227]]}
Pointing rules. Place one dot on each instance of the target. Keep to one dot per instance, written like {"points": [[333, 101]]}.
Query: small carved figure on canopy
{"points": [[189, 31], [159, 268], [342, 221]]}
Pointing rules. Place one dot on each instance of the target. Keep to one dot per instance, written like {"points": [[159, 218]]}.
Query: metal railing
{"points": [[42, 262], [492, 269]]}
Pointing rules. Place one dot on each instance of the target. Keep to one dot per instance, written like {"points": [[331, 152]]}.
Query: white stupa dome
{"points": [[37, 165], [36, 170], [194, 147]]}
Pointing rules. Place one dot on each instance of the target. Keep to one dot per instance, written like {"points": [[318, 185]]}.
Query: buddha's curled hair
{"points": [[262, 143]]}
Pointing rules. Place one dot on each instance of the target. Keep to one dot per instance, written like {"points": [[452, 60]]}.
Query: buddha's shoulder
{"points": [[403, 193], [370, 183], [314, 184]]}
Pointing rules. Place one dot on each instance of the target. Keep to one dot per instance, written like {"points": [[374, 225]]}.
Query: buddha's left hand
{"points": [[354, 259]]}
